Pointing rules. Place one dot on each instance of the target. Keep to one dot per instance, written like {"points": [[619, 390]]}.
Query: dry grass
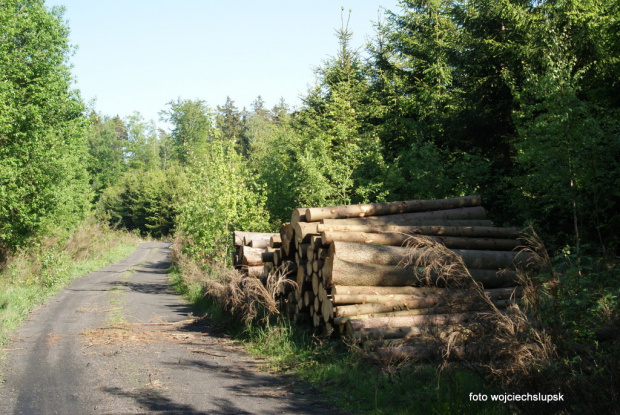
{"points": [[506, 346], [246, 298]]}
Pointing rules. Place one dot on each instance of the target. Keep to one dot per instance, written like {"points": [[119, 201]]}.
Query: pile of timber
{"points": [[254, 252], [355, 274]]}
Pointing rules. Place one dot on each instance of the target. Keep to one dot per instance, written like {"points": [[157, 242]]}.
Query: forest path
{"points": [[120, 340]]}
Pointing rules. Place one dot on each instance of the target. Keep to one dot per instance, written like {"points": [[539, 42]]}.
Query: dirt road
{"points": [[119, 341]]}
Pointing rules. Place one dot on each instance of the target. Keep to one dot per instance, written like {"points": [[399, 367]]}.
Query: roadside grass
{"points": [[35, 274], [348, 378]]}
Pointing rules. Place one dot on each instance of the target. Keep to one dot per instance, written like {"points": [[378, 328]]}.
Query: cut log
{"points": [[408, 321], [267, 257], [393, 255], [389, 208], [461, 231], [371, 290], [387, 307], [250, 237], [298, 215], [239, 236], [400, 220], [402, 313], [255, 271], [304, 231], [404, 332], [251, 256], [275, 241], [327, 310], [353, 273], [401, 239], [308, 298], [495, 294]]}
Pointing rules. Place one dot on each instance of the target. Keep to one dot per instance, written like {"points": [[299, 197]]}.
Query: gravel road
{"points": [[120, 341]]}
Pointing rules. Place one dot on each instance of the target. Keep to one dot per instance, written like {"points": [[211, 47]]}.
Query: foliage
{"points": [[221, 198], [43, 180], [145, 201], [106, 142], [33, 274], [192, 121]]}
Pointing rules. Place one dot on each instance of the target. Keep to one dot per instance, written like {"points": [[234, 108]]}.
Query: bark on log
{"points": [[352, 274], [462, 231], [239, 237], [401, 239], [298, 215], [267, 257], [275, 241], [254, 271], [402, 313], [393, 255], [371, 290], [399, 220], [389, 208], [404, 332], [250, 237]]}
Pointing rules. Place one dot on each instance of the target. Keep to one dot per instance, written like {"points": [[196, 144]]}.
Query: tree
{"points": [[107, 139], [192, 125], [43, 181]]}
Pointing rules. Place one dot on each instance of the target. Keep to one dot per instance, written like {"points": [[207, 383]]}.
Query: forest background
{"points": [[515, 100]]}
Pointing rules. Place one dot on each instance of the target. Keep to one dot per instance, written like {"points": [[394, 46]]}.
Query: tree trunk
{"points": [[400, 239], [389, 208]]}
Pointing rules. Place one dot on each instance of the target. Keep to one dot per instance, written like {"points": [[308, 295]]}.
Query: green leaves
{"points": [[43, 182], [221, 198]]}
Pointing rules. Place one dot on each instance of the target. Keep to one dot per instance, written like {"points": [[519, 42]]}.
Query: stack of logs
{"points": [[254, 252], [355, 274]]}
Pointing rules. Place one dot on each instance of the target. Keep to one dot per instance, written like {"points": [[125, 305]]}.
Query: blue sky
{"points": [[137, 55]]}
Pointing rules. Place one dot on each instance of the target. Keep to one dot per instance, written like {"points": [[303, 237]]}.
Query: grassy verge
{"points": [[348, 378], [33, 275]]}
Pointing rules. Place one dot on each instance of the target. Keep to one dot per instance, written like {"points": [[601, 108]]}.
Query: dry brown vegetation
{"points": [[246, 298]]}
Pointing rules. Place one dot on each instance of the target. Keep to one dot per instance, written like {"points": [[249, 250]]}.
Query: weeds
{"points": [[33, 274]]}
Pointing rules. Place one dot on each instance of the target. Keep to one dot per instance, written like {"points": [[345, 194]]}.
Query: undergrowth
{"points": [[32, 275]]}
